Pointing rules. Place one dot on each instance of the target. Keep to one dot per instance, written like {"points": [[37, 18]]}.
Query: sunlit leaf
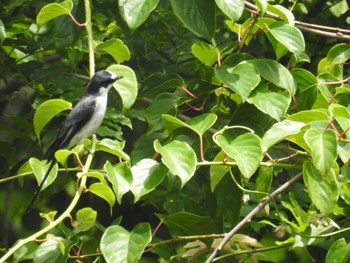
{"points": [[127, 86], [116, 48], [47, 111], [323, 189], [180, 159], [102, 190], [323, 147], [136, 12], [232, 8], [119, 245], [54, 10], [85, 219]]}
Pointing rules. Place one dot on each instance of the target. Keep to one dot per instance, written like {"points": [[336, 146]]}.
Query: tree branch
{"points": [[252, 214], [326, 31]]}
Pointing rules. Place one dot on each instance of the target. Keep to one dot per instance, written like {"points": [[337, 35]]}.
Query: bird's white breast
{"points": [[95, 121]]}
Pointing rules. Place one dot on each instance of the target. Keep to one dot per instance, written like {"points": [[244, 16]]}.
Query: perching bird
{"points": [[86, 116]]}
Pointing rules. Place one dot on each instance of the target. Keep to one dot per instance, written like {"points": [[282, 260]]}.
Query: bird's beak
{"points": [[117, 77]]}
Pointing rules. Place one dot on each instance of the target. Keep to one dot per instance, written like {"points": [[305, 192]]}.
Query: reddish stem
{"points": [[155, 156], [201, 148], [295, 103], [343, 133], [75, 21], [288, 157], [190, 93], [193, 107]]}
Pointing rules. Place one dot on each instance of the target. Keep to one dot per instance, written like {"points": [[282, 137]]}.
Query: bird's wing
{"points": [[76, 119]]}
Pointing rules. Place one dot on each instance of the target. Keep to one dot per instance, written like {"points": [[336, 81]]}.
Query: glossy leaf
{"points": [[197, 15], [280, 131], [323, 147], [274, 72], [103, 191], [54, 249], [323, 189], [262, 5], [282, 12], [116, 48], [272, 103], [53, 10], [114, 147], [47, 111], [39, 169], [310, 116], [146, 176], [289, 36], [245, 149], [85, 219], [242, 78], [339, 252], [135, 12], [307, 88], [180, 159], [127, 86], [119, 245], [201, 123], [339, 53], [231, 8], [206, 53], [121, 178]]}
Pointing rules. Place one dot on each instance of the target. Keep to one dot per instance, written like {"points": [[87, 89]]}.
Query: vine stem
{"points": [[88, 27], [64, 215], [251, 215]]}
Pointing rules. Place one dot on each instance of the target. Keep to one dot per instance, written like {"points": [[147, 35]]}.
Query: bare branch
{"points": [[252, 214]]}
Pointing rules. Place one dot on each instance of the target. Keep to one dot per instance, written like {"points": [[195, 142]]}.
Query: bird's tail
{"points": [[53, 162]]}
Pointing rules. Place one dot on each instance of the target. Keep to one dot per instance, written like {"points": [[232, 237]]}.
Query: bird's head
{"points": [[102, 80]]}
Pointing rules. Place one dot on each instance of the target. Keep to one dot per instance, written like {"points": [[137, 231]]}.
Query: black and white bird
{"points": [[86, 116]]}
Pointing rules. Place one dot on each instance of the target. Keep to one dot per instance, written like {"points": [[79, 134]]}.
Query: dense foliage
{"points": [[227, 139]]}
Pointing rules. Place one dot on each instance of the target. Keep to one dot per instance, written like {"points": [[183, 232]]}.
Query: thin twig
{"points": [[252, 214]]}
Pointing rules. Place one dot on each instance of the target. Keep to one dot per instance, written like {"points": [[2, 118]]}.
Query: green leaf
{"points": [[323, 147], [163, 103], [201, 123], [102, 190], [282, 12], [54, 249], [232, 8], [274, 72], [307, 88], [147, 174], [242, 78], [217, 172], [197, 15], [289, 36], [121, 178], [135, 12], [40, 168], [206, 53], [96, 175], [280, 131], [25, 252], [245, 149], [160, 82], [180, 159], [184, 223], [119, 245], [114, 147], [339, 53], [46, 111], [339, 252], [116, 48], [272, 103], [53, 10], [2, 32], [262, 5], [323, 189], [127, 86], [309, 116], [85, 219], [62, 156]]}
